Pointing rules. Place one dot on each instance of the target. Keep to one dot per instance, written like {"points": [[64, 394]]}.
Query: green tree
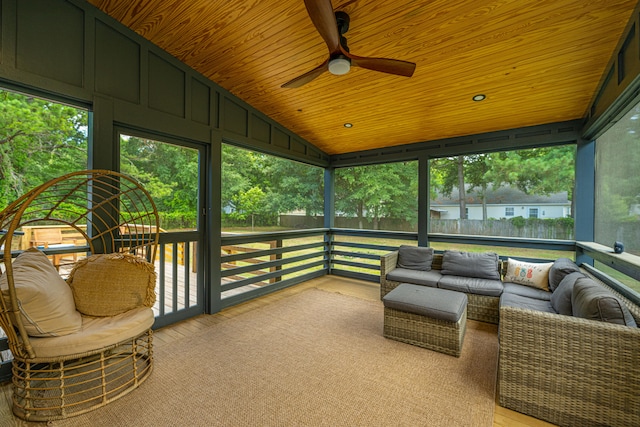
{"points": [[169, 173], [295, 186], [287, 185], [39, 140], [249, 204], [378, 191]]}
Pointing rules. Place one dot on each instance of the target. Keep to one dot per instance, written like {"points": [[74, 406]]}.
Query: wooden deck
{"points": [[166, 336]]}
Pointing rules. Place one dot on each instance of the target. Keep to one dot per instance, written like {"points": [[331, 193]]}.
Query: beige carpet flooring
{"points": [[313, 359]]}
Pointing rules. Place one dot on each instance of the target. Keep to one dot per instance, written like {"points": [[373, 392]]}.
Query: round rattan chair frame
{"points": [[114, 214]]}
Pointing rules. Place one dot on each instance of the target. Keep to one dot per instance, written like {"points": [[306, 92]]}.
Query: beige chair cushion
{"points": [[110, 284], [45, 300], [96, 334]]}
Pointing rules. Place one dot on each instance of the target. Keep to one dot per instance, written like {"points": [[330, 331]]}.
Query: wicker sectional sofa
{"points": [[483, 294], [570, 370]]}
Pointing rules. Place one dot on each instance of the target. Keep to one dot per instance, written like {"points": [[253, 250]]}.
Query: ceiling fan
{"points": [[332, 28]]}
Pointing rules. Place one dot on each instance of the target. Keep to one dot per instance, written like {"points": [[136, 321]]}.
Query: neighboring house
{"points": [[504, 202]]}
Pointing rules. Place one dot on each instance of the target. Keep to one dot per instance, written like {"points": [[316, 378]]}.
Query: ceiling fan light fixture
{"points": [[339, 66]]}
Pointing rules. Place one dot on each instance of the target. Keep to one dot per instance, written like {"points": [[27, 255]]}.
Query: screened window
{"points": [[170, 174], [377, 197], [492, 194], [267, 193], [617, 188], [42, 140], [617, 207]]}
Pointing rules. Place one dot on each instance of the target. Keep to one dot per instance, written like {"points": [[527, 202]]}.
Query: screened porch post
{"points": [[423, 200], [329, 210], [584, 196]]}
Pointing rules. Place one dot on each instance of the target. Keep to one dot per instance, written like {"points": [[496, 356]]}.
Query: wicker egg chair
{"points": [[58, 375]]}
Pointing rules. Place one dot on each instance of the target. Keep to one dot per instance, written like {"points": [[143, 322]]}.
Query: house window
{"points": [[509, 211], [533, 212]]}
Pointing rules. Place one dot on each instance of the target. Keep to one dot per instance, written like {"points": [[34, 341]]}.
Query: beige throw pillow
{"points": [[45, 300], [531, 274], [110, 284]]}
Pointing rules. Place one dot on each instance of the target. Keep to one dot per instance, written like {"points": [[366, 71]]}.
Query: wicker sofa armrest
{"points": [[388, 262], [568, 370]]}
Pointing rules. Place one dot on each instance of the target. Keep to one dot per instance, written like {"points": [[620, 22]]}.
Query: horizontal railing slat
{"points": [[251, 280], [269, 264], [266, 252]]}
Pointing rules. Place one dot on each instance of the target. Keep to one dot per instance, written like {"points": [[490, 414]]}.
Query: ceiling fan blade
{"points": [[322, 16], [308, 76], [384, 65]]}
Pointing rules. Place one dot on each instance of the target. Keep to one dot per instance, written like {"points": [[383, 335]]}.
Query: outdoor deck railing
{"points": [[258, 263]]}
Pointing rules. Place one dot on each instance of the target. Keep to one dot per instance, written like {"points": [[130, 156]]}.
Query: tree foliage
{"points": [[378, 191], [39, 140], [260, 187], [169, 173]]}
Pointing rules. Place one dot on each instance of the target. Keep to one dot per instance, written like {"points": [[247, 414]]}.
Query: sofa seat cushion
{"points": [[429, 302], [96, 333], [526, 291], [470, 285], [520, 301], [419, 277], [471, 264], [592, 301]]}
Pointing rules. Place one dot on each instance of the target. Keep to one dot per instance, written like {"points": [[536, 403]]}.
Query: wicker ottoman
{"points": [[432, 318]]}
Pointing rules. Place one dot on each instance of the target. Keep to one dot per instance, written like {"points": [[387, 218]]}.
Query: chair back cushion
{"points": [[45, 300], [110, 284]]}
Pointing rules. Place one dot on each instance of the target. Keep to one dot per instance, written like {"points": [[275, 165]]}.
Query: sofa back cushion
{"points": [[45, 300], [531, 274], [591, 301], [469, 264], [561, 297], [560, 268], [415, 257]]}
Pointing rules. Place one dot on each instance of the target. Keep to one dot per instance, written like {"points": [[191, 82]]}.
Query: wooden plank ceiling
{"points": [[537, 61]]}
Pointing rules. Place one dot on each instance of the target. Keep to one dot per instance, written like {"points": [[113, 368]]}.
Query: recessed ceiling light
{"points": [[348, 125], [479, 97]]}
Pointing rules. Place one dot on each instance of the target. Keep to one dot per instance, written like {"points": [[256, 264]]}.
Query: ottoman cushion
{"points": [[430, 302]]}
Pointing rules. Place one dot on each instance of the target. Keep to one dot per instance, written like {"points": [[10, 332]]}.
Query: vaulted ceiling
{"points": [[537, 61]]}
